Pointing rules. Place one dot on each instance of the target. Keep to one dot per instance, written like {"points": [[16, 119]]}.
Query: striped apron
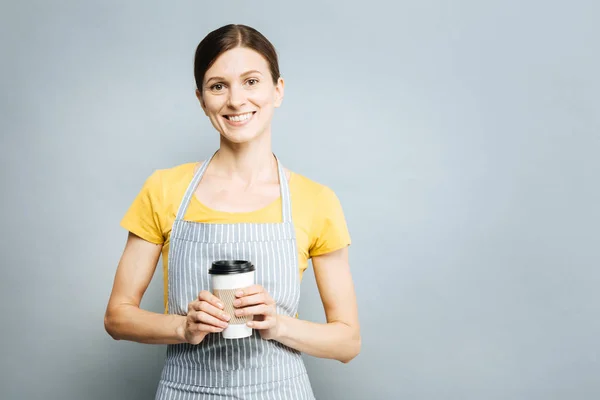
{"points": [[248, 368]]}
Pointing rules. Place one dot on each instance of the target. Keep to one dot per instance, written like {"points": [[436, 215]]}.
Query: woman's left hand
{"points": [[254, 301]]}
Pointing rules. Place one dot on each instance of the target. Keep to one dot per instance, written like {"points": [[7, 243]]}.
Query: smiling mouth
{"points": [[239, 117]]}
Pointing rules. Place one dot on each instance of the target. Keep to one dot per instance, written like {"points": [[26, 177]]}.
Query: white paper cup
{"points": [[227, 277]]}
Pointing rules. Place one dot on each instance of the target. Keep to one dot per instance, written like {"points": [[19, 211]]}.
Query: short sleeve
{"points": [[143, 218], [329, 231]]}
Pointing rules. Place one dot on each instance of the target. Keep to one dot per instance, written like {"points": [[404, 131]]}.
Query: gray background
{"points": [[462, 138]]}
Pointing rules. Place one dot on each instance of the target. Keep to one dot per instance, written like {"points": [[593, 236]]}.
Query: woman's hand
{"points": [[205, 315], [254, 301]]}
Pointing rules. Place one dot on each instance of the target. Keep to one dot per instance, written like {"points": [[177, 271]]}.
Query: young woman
{"points": [[239, 204]]}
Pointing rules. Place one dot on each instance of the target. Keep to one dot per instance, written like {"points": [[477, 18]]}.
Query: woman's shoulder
{"points": [[310, 189], [165, 184], [170, 177], [175, 173], [320, 205], [152, 211]]}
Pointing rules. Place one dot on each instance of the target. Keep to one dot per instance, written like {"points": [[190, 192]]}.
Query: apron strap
{"points": [[286, 198], [286, 202]]}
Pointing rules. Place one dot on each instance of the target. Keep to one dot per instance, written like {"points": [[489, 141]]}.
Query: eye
{"points": [[252, 81], [217, 87]]}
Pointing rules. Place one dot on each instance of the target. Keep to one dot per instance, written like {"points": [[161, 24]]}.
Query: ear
{"points": [[201, 100], [279, 92]]}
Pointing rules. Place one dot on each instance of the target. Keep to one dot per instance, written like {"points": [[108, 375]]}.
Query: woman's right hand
{"points": [[205, 315]]}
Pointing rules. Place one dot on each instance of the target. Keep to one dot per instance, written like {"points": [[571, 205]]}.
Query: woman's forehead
{"points": [[236, 62]]}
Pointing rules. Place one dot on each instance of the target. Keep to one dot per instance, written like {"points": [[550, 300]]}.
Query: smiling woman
{"points": [[238, 98], [241, 204]]}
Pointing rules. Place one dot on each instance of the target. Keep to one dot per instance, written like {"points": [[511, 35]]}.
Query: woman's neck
{"points": [[245, 163]]}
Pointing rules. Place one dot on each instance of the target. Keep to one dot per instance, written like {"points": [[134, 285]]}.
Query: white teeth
{"points": [[240, 118]]}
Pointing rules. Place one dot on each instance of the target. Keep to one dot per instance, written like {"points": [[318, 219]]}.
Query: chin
{"points": [[241, 137]]}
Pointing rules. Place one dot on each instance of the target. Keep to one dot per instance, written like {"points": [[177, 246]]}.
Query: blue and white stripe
{"points": [[242, 368]]}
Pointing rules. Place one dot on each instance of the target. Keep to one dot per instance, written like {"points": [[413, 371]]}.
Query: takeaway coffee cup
{"points": [[227, 277]]}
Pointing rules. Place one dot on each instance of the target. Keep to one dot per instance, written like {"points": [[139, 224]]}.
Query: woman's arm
{"points": [[124, 320], [339, 338]]}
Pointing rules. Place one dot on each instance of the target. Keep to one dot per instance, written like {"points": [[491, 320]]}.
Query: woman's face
{"points": [[238, 95]]}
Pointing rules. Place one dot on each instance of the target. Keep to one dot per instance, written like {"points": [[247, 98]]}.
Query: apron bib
{"points": [[237, 368]]}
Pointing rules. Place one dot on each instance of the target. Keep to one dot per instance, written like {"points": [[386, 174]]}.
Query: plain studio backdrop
{"points": [[461, 137]]}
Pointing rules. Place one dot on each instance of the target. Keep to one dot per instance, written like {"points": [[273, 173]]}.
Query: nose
{"points": [[237, 97]]}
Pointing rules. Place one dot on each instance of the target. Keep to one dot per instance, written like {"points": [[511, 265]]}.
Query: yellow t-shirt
{"points": [[316, 211]]}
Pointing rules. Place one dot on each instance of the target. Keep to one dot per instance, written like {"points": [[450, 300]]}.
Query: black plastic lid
{"points": [[227, 267]]}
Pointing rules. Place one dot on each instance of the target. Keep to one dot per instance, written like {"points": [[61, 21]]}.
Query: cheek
{"points": [[263, 99], [213, 105]]}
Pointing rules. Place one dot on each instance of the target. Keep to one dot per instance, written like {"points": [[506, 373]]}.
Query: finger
{"points": [[208, 319], [250, 290], [210, 309], [196, 339], [211, 298], [260, 298], [204, 328], [265, 324], [261, 309]]}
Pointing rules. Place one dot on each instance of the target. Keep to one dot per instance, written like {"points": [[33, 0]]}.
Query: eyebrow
{"points": [[220, 78]]}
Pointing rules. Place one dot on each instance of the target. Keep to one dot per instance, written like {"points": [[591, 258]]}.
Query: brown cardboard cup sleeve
{"points": [[227, 296]]}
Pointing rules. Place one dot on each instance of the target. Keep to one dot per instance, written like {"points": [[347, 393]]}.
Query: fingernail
{"points": [[238, 312], [227, 317], [240, 293], [237, 302], [220, 305], [250, 323]]}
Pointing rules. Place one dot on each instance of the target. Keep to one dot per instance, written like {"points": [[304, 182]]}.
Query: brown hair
{"points": [[229, 37]]}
